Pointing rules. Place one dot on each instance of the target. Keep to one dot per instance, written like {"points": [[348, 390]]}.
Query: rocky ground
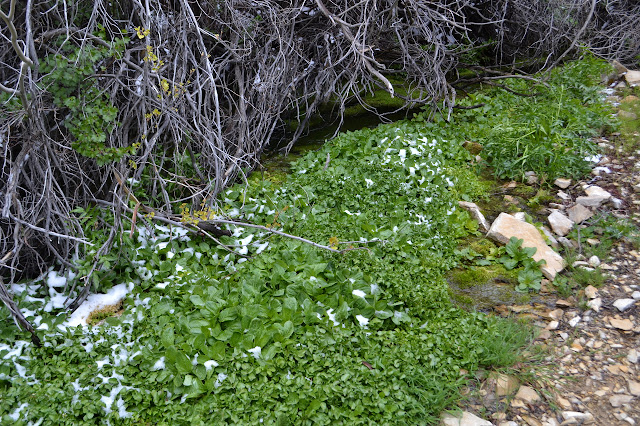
{"points": [[584, 366]]}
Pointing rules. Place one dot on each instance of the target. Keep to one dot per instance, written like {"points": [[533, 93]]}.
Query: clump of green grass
{"points": [[548, 133]]}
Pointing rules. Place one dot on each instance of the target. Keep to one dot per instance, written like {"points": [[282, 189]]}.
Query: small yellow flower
{"points": [[333, 242]]}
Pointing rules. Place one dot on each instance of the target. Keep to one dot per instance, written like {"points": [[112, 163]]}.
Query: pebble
{"points": [[594, 261], [466, 419], [622, 324], [636, 295], [623, 304], [527, 394], [553, 325], [634, 388], [620, 400], [562, 183], [591, 292], [595, 304], [632, 356], [576, 415], [574, 321]]}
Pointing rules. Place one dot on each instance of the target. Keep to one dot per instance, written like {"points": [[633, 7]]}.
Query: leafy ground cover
{"points": [[295, 334]]}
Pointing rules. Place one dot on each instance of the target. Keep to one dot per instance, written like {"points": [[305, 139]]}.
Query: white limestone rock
{"points": [[506, 226], [560, 224]]}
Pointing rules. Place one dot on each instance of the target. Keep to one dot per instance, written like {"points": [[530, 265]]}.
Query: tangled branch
{"points": [[186, 95]]}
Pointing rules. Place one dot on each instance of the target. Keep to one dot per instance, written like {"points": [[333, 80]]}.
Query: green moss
{"points": [[525, 191], [460, 298], [483, 247], [99, 315], [480, 275]]}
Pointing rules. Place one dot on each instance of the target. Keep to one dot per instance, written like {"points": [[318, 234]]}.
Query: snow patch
{"points": [[256, 352], [358, 293], [208, 365], [362, 320], [94, 302], [159, 365]]}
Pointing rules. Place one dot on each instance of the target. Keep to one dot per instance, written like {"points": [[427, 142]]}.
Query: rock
{"points": [[563, 195], [528, 395], [632, 356], [565, 303], [553, 325], [531, 178], [556, 314], [560, 224], [595, 304], [620, 399], [595, 197], [565, 242], [562, 183], [544, 335], [531, 421], [574, 321], [564, 403], [507, 226], [579, 213], [590, 201], [634, 388], [636, 295], [475, 212], [594, 261], [632, 78], [627, 115], [596, 191], [623, 304], [576, 415], [581, 264], [465, 419], [506, 385], [552, 240], [621, 324], [509, 423], [636, 188], [591, 292]]}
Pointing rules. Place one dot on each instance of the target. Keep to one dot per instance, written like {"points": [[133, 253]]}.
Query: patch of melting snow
{"points": [[208, 365], [94, 302], [332, 316], [362, 320], [110, 399], [16, 414], [602, 169], [359, 293], [262, 247], [101, 363], [219, 380], [256, 352], [14, 352], [159, 365]]}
